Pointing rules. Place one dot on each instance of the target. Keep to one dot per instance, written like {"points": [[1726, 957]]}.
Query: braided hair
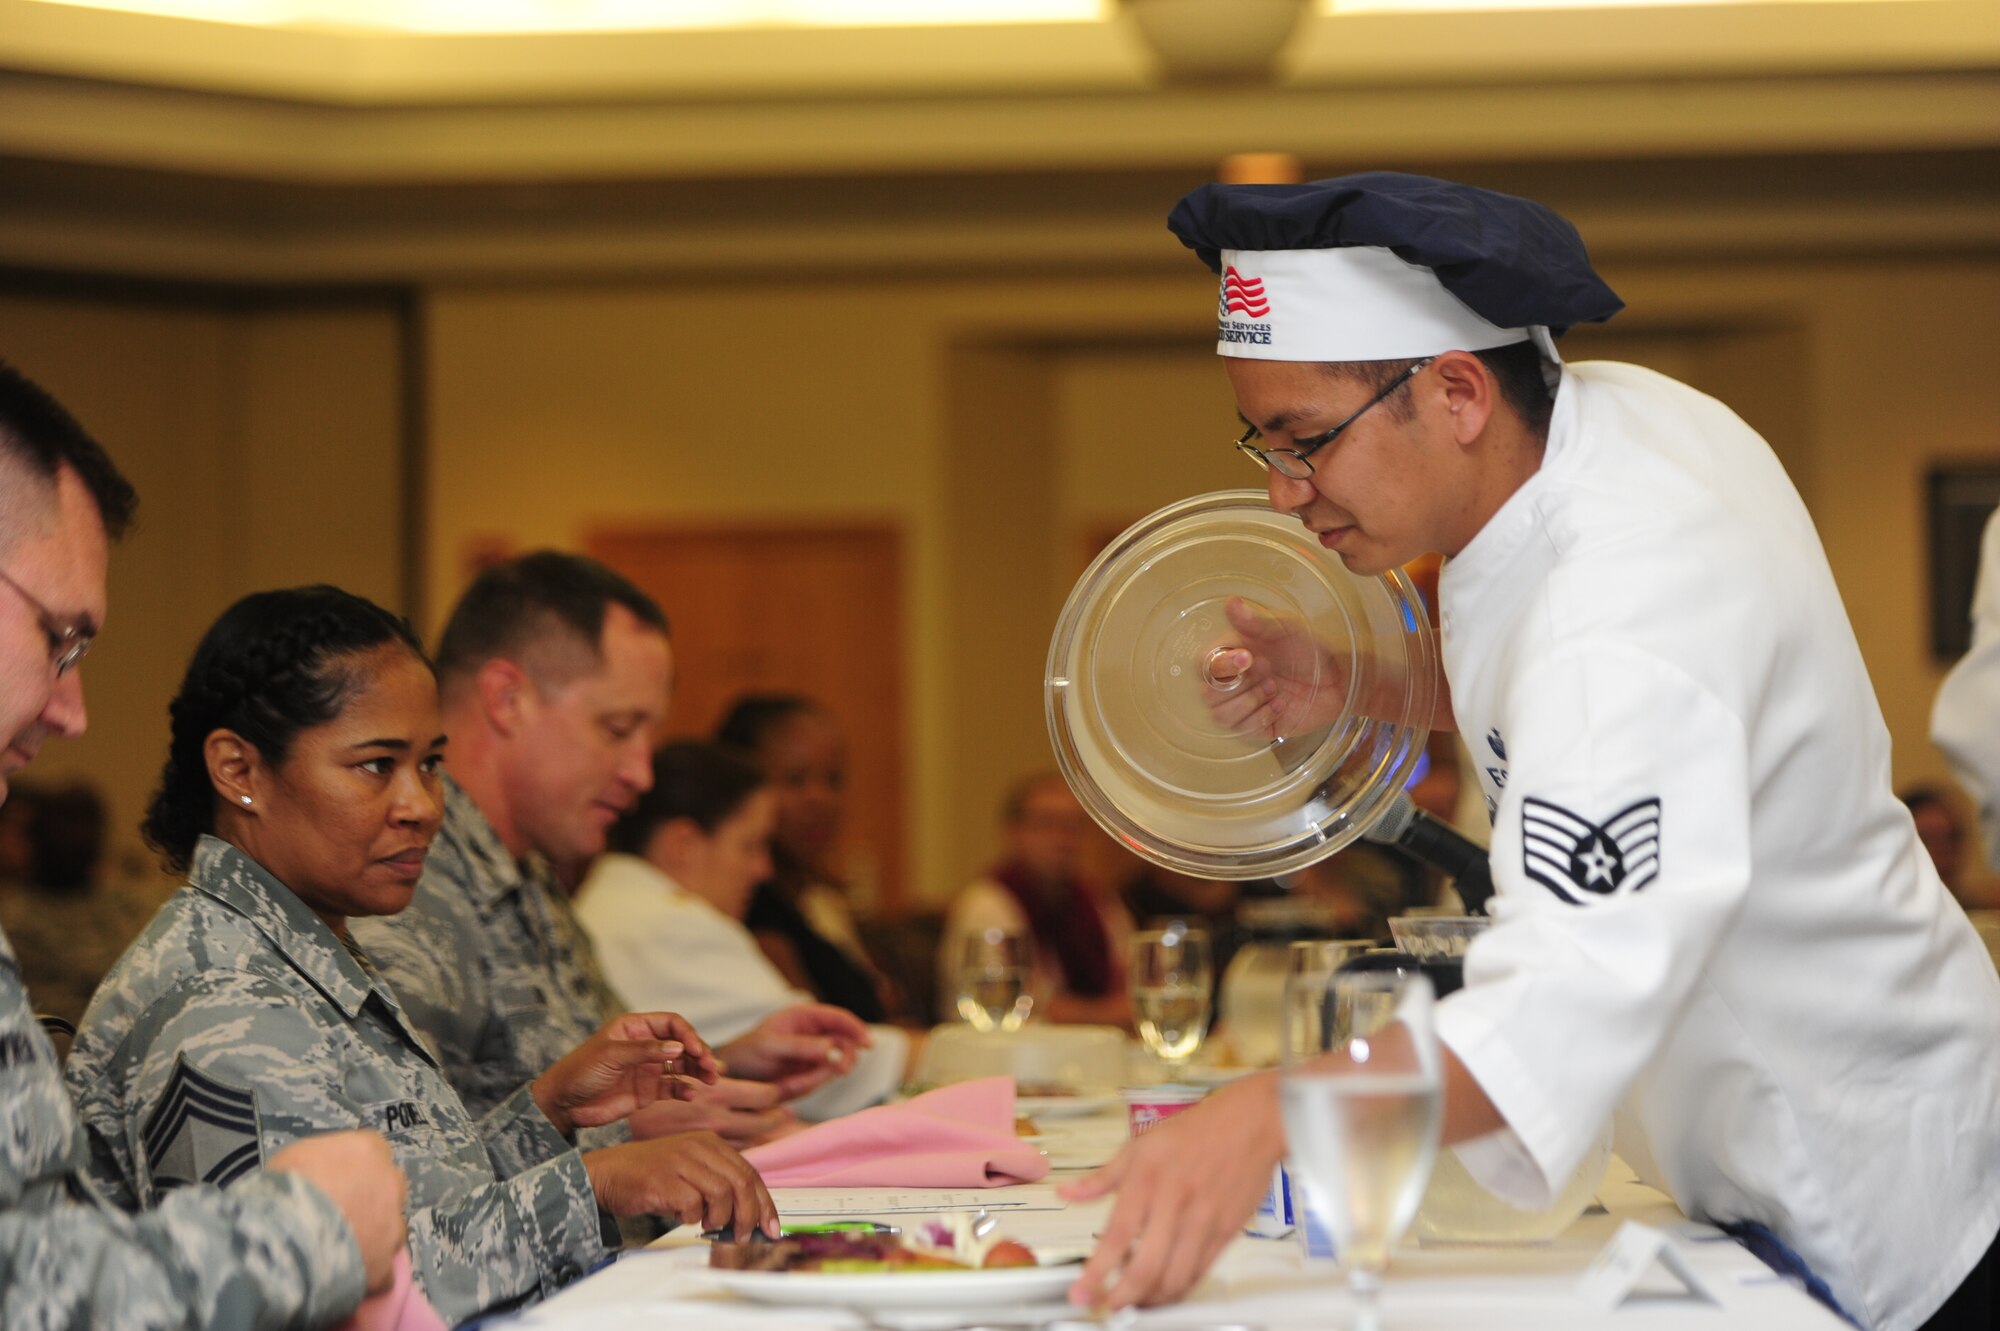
{"points": [[275, 664]]}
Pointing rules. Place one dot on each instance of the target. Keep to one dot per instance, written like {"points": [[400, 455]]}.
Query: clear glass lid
{"points": [[1142, 704]]}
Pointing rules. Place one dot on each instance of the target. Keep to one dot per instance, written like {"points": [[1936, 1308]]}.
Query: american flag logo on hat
{"points": [[1243, 295]]}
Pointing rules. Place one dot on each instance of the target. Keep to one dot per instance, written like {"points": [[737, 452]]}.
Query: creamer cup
{"points": [[1314, 1234], [1148, 1105], [1273, 1218]]}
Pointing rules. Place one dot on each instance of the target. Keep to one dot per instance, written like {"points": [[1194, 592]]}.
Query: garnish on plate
{"points": [[945, 1244]]}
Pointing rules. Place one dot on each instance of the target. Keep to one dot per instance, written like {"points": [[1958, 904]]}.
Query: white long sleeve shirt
{"points": [[664, 949], [1712, 916]]}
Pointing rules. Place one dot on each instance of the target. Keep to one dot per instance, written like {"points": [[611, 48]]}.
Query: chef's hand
{"points": [[695, 1177], [1184, 1191], [1289, 683], [797, 1049], [742, 1113], [628, 1064]]}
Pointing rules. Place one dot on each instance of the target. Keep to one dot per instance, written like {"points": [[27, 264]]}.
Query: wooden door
{"points": [[814, 611]]}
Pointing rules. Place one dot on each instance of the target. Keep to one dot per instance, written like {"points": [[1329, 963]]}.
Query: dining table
{"points": [[1702, 1281]]}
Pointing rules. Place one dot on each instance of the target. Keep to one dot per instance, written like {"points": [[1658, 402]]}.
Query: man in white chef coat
{"points": [[1713, 919]]}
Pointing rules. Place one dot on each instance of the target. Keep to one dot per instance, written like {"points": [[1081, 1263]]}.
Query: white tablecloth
{"points": [[1265, 1283]]}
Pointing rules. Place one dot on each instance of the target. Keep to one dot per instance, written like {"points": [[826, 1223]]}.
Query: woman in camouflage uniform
{"points": [[302, 789]]}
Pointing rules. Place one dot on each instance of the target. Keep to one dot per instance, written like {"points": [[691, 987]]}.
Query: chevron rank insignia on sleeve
{"points": [[1582, 861], [202, 1131]]}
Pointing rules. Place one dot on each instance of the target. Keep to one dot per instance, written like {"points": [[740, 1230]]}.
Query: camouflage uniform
{"points": [[490, 962], [273, 1252], [238, 1023]]}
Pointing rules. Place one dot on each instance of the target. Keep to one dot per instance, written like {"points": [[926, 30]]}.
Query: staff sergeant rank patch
{"points": [[202, 1131], [1579, 860]]}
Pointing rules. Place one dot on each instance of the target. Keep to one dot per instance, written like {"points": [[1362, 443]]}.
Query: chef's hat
{"points": [[1386, 266]]}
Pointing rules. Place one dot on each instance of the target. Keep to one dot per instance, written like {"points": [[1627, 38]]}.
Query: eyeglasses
{"points": [[1295, 462], [68, 643]]}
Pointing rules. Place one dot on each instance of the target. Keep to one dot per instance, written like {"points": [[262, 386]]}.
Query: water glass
{"points": [[995, 976], [1173, 988], [1361, 1093], [1306, 1001]]}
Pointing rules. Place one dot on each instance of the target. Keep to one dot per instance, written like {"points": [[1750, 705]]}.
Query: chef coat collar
{"points": [[1471, 576]]}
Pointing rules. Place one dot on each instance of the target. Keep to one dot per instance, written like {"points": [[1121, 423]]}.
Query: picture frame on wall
{"points": [[1958, 499]]}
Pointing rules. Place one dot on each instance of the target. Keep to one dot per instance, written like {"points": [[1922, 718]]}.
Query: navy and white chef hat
{"points": [[1387, 266]]}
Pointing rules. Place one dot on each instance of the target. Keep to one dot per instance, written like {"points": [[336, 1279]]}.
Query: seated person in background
{"points": [[664, 909], [1362, 885], [800, 914], [302, 788], [1153, 895], [1942, 831], [553, 671], [67, 923], [1079, 937]]}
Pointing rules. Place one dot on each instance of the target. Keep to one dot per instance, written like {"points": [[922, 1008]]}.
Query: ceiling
{"points": [[139, 145]]}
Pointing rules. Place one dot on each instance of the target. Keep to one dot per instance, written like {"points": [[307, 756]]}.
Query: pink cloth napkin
{"points": [[956, 1137], [402, 1307]]}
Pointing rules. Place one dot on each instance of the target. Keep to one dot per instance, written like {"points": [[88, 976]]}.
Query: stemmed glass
{"points": [[995, 974], [1361, 1093], [1173, 986], [1307, 998]]}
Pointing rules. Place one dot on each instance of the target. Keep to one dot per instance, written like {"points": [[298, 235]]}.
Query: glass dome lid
{"points": [[1137, 686]]}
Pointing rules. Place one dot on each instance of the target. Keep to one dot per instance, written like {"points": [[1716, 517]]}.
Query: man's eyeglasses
{"points": [[67, 642], [1295, 462]]}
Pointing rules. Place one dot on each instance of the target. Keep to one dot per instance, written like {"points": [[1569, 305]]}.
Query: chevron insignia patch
{"points": [[1582, 861], [202, 1131]]}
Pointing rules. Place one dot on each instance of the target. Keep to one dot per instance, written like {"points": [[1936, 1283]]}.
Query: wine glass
{"points": [[1361, 1093], [1173, 986], [1306, 1002], [995, 971]]}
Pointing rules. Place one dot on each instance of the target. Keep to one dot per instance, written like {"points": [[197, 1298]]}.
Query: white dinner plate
{"points": [[1064, 1106], [917, 1289]]}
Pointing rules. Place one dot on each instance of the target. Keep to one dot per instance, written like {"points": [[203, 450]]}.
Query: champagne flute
{"points": [[1173, 987], [1361, 1093], [995, 971]]}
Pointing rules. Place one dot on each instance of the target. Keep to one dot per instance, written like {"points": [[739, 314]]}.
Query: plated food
{"points": [[879, 1270], [864, 1254]]}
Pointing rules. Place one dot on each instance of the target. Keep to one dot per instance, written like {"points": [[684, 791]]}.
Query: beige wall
{"points": [[266, 447], [975, 416]]}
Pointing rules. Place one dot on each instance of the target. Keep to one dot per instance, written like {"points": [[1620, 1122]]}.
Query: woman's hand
{"points": [[798, 1049], [742, 1113], [631, 1062], [694, 1177]]}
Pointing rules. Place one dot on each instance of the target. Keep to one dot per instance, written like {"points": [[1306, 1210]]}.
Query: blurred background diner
{"points": [[851, 335]]}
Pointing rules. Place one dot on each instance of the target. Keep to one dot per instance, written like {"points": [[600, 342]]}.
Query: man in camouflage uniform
{"points": [[490, 962], [292, 1246], [553, 672]]}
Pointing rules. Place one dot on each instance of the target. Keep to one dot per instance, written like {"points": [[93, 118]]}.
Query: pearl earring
{"points": [[246, 801]]}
